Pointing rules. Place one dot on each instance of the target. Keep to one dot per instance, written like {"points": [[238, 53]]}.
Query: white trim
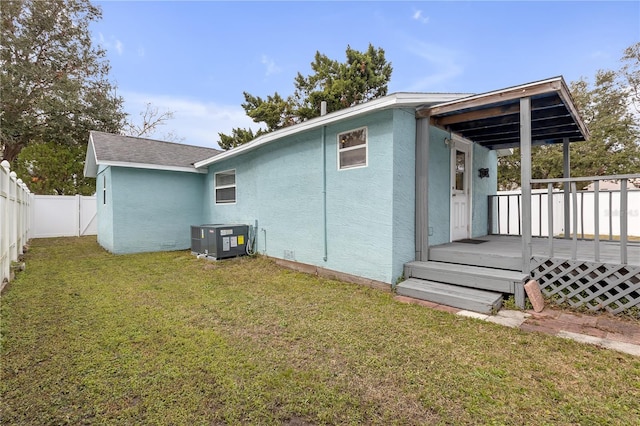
{"points": [[396, 100], [91, 160], [216, 187], [522, 87], [151, 166], [353, 148], [91, 163], [466, 146]]}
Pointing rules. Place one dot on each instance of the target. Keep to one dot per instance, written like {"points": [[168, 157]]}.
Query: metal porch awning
{"points": [[493, 119]]}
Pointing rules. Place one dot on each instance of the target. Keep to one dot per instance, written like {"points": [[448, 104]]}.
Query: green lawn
{"points": [[165, 338]]}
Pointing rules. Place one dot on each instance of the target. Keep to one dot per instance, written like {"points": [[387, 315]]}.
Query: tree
{"points": [[52, 168], [151, 119], [54, 82], [631, 73], [238, 137], [362, 77], [614, 145]]}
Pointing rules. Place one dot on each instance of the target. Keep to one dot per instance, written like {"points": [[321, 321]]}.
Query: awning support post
{"points": [[566, 173], [525, 181], [422, 187]]}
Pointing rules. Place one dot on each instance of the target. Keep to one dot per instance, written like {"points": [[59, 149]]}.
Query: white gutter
{"points": [[151, 166], [91, 163], [396, 100]]}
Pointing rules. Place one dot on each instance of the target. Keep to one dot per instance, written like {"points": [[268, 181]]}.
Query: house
{"points": [[396, 190], [148, 191]]}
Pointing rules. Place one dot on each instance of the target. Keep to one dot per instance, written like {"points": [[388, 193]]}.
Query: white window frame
{"points": [[104, 189], [364, 146], [216, 187]]}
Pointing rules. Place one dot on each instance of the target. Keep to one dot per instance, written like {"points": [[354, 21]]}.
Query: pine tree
{"points": [[362, 77]]}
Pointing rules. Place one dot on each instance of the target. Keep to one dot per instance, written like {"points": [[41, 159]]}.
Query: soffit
{"points": [[493, 119]]}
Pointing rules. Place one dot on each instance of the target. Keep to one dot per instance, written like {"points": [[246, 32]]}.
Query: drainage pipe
{"points": [[323, 111], [324, 189]]}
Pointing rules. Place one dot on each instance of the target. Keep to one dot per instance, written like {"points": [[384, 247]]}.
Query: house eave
{"points": [[492, 119], [150, 167], [90, 161], [396, 100]]}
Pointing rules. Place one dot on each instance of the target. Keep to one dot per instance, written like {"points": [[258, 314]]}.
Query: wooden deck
{"points": [[505, 251], [456, 270]]}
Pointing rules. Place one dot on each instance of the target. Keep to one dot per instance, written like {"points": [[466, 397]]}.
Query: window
{"points": [[460, 170], [225, 183], [352, 148], [104, 189]]}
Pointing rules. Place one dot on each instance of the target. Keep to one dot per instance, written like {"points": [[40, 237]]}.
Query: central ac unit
{"points": [[219, 241]]}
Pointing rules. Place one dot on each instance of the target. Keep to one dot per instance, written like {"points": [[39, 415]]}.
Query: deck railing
{"points": [[582, 215]]}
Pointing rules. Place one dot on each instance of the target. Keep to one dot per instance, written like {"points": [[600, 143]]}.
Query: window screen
{"points": [[225, 187], [352, 148]]}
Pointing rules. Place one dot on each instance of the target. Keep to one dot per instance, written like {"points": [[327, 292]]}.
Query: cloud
{"points": [[418, 16], [194, 122], [271, 67], [442, 64], [111, 43]]}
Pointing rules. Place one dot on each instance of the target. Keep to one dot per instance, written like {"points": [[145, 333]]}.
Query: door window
{"points": [[460, 170]]}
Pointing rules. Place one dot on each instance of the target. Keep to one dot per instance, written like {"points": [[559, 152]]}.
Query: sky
{"points": [[196, 58]]}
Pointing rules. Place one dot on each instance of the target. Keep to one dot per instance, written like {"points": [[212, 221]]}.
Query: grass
{"points": [[165, 338]]}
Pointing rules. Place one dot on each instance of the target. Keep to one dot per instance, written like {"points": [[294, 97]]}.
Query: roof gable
{"points": [[127, 151]]}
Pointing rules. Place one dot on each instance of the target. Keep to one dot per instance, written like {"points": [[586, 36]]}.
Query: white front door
{"points": [[460, 189]]}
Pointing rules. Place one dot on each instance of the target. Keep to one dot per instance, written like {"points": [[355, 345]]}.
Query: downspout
{"points": [[323, 111]]}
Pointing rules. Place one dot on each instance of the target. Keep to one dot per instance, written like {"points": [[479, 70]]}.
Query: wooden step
{"points": [[478, 277], [460, 297], [455, 254]]}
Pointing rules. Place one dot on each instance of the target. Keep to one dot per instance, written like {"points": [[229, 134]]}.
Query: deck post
{"points": [[525, 181], [596, 220], [574, 201], [566, 173], [550, 217], [422, 187], [624, 230]]}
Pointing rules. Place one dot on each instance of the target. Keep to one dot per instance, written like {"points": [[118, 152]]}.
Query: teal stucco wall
{"points": [[439, 183], [369, 210], [151, 210], [404, 189], [482, 188], [438, 202], [104, 211]]}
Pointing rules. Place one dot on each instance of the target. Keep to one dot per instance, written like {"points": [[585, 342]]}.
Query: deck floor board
{"points": [[509, 248]]}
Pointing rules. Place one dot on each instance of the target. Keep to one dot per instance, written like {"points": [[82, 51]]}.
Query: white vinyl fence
{"points": [[16, 203], [64, 216]]}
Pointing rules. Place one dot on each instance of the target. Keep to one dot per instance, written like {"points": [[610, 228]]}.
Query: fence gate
{"points": [[64, 216]]}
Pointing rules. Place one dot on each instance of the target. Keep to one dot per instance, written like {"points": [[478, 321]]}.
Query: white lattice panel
{"points": [[594, 286]]}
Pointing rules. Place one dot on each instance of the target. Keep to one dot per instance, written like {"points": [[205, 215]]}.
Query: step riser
{"points": [[454, 296], [462, 258], [461, 278]]}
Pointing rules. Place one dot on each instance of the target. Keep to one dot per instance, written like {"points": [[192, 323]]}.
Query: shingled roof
{"points": [[107, 149]]}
